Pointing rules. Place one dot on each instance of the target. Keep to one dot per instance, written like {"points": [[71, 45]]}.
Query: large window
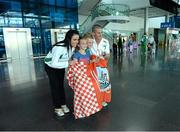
{"points": [[2, 46], [40, 16]]}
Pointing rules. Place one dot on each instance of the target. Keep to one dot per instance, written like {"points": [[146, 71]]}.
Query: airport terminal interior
{"points": [[145, 83]]}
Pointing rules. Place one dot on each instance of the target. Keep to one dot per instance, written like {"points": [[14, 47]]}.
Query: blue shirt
{"points": [[82, 57]]}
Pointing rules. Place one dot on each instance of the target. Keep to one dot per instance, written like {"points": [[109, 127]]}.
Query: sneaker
{"points": [[104, 104], [59, 112], [65, 108]]}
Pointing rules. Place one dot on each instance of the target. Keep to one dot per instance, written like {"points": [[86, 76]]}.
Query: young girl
{"points": [[81, 54], [85, 95]]}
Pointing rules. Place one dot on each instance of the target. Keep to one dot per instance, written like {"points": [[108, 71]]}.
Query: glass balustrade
{"points": [[110, 10], [105, 10]]}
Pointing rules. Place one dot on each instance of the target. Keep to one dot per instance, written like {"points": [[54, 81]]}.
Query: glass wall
{"points": [[40, 16]]}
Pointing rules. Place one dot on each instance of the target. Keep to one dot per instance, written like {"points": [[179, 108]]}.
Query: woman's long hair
{"points": [[67, 40]]}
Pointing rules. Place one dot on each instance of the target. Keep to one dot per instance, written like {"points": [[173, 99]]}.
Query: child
{"points": [[89, 38], [85, 96], [82, 54], [97, 66]]}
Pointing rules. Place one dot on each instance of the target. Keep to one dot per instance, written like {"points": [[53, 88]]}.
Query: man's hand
{"points": [[106, 57]]}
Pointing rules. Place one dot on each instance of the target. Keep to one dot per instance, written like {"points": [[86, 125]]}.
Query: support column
{"points": [[146, 12], [166, 43], [167, 17]]}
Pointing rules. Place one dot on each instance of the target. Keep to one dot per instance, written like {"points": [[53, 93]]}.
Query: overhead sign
{"points": [[167, 25], [167, 5]]}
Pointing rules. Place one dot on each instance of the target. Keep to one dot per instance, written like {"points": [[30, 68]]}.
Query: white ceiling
{"points": [[136, 7], [152, 12]]}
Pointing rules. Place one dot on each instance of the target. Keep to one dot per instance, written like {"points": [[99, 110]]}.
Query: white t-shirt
{"points": [[58, 58], [151, 40], [102, 48]]}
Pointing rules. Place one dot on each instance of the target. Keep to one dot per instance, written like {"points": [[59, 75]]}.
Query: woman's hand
{"points": [[72, 62]]}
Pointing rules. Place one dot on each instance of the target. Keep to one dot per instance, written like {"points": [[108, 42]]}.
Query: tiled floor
{"points": [[146, 96]]}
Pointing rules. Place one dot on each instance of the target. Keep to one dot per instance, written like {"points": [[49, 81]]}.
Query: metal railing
{"points": [[110, 10], [105, 10]]}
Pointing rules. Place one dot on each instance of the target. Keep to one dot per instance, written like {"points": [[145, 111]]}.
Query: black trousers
{"points": [[120, 50], [56, 80]]}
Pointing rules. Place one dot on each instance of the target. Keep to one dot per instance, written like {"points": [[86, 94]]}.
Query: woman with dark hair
{"points": [[55, 63]]}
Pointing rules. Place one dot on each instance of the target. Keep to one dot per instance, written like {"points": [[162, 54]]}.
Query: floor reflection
{"points": [[145, 88], [4, 75], [21, 71]]}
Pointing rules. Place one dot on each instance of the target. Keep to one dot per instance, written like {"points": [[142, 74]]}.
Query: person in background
{"points": [[143, 43], [124, 40], [55, 63], [120, 45], [114, 49], [151, 42]]}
